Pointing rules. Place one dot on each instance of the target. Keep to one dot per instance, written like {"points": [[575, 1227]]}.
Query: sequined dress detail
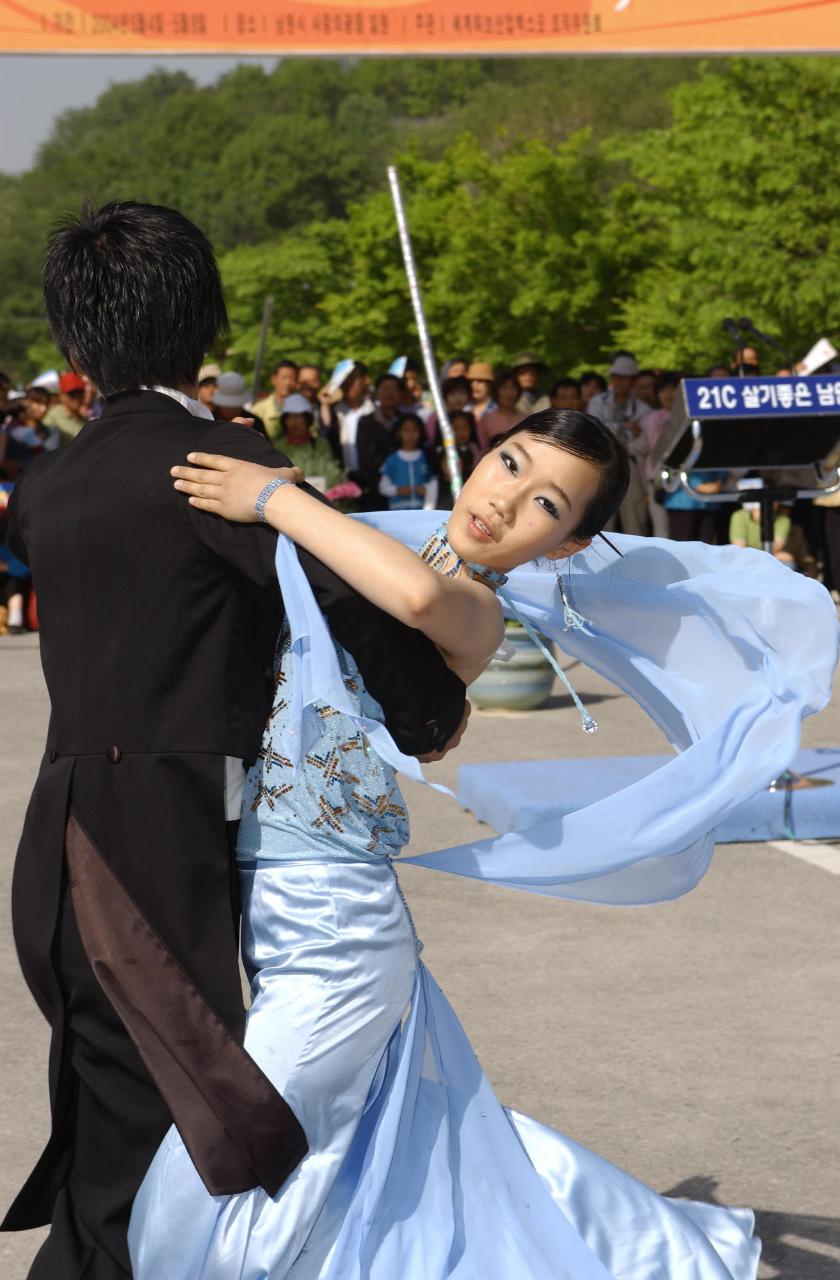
{"points": [[342, 797]]}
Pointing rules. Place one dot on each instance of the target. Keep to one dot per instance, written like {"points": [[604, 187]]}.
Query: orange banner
{"points": [[286, 27]]}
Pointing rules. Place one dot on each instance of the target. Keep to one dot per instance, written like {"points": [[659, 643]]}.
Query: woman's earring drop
{"points": [[573, 621]]}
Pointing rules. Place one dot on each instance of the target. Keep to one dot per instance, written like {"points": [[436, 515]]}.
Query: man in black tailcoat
{"points": [[158, 626]]}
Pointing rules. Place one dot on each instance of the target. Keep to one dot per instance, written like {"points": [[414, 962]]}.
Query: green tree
{"points": [[740, 210], [573, 206], [508, 250], [298, 270], [505, 248]]}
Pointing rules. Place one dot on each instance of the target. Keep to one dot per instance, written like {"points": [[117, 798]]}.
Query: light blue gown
{"points": [[415, 1171]]}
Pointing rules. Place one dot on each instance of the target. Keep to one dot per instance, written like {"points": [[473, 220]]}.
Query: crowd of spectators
{"points": [[373, 443]]}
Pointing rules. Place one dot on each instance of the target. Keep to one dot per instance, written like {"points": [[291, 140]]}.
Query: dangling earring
{"points": [[573, 620], [589, 725]]}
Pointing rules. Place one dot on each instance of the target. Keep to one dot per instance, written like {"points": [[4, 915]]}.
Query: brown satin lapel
{"points": [[239, 1131]]}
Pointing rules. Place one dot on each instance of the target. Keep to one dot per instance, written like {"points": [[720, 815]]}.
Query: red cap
{"points": [[71, 382]]}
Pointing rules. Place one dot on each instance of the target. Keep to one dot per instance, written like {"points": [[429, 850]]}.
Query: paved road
{"points": [[695, 1043]]}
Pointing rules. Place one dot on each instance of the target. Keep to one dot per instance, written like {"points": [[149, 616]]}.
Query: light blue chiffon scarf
{"points": [[723, 647]]}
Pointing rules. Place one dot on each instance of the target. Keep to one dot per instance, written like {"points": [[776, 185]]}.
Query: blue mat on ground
{"points": [[518, 794]]}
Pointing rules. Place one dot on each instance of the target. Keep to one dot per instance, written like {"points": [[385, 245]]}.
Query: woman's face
{"points": [[588, 388], [410, 436], [508, 393], [355, 389], [667, 396], [523, 501], [297, 428], [457, 398], [566, 398], [35, 408], [461, 429], [389, 394], [480, 390]]}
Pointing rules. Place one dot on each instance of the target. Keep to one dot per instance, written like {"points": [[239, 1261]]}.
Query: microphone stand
{"points": [[730, 327], [749, 327]]}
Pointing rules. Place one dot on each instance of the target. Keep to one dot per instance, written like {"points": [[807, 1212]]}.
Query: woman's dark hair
{"points": [[468, 418], [37, 393], [453, 416], [416, 421], [565, 382], [359, 370], [503, 376], [133, 295], [587, 438], [667, 379], [389, 377], [590, 375], [460, 383]]}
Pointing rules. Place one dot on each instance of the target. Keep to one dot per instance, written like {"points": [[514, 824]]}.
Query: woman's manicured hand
{"points": [[226, 486]]}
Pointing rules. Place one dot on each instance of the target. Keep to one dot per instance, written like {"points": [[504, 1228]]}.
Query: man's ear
{"points": [[568, 548]]}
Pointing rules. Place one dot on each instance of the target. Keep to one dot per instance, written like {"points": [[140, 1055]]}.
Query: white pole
{"points": [[452, 458]]}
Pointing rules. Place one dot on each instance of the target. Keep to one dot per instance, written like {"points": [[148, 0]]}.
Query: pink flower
{"points": [[343, 492]]}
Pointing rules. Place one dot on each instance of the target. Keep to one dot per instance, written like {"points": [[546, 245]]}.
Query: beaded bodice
{"points": [[341, 801]]}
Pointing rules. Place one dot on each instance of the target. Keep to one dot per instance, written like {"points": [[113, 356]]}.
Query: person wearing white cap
{"points": [[228, 402], [623, 412], [344, 402], [49, 380], [299, 441]]}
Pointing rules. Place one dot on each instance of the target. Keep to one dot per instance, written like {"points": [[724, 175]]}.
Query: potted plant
{"points": [[521, 683]]}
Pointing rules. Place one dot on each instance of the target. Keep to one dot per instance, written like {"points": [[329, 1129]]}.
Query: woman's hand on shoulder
{"points": [[228, 487]]}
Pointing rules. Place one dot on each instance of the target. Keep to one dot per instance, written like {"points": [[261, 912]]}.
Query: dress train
{"points": [[415, 1170]]}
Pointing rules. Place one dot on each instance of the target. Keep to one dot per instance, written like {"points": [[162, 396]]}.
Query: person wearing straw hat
{"points": [[482, 376], [529, 367]]}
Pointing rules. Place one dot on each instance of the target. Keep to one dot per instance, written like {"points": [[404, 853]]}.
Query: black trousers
{"points": [[119, 1121]]}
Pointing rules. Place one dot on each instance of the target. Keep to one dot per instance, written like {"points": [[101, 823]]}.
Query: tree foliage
{"points": [[740, 211], [565, 205]]}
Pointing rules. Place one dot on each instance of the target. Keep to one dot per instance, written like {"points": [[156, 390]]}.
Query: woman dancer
{"points": [[414, 1170]]}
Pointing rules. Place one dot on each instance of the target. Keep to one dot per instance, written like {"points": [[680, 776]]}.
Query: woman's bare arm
{"points": [[461, 617]]}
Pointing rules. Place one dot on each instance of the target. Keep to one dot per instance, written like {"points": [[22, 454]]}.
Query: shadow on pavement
{"points": [[558, 700], [795, 1246]]}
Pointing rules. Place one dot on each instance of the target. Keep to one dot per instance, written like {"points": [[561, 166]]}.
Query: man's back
{"points": [[149, 639]]}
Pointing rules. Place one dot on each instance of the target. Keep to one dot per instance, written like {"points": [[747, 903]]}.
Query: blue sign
{"points": [[761, 397]]}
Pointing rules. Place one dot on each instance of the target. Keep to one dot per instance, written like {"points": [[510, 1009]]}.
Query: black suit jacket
{"points": [[159, 621], [158, 628]]}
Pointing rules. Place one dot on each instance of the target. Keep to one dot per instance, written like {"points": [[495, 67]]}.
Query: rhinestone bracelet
{"points": [[259, 505]]}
